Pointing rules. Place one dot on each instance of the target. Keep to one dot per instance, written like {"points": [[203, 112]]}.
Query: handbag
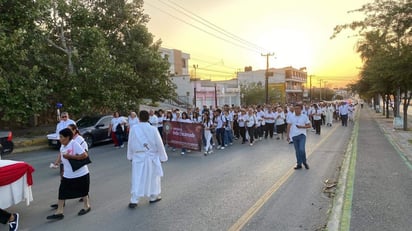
{"points": [[76, 164]]}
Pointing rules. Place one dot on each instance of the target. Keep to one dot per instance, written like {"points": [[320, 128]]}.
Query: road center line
{"points": [[244, 219]]}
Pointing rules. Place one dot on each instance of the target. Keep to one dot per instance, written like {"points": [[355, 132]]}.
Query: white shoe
{"points": [[122, 146], [222, 148], [218, 147], [182, 153]]}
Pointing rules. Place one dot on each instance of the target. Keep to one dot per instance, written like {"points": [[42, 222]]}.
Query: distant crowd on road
{"points": [[223, 125]]}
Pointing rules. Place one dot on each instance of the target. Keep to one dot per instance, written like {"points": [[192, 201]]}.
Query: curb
{"points": [[29, 144], [337, 210]]}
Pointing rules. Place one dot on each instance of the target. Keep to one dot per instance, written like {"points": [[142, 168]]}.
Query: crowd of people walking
{"points": [[223, 125]]}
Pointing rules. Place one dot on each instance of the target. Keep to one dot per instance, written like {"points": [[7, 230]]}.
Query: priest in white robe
{"points": [[146, 151]]}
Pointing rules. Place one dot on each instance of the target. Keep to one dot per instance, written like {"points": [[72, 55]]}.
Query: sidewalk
{"points": [[31, 139], [374, 184], [399, 138], [380, 197]]}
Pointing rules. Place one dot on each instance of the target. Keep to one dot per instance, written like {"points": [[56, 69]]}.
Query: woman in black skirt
{"points": [[74, 184]]}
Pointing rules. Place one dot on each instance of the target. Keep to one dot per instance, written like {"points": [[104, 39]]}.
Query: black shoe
{"points": [[156, 200], [306, 165], [298, 167], [54, 206], [132, 205], [55, 217], [84, 211]]}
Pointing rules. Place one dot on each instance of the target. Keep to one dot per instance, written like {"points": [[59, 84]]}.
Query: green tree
{"points": [[385, 48], [22, 86]]}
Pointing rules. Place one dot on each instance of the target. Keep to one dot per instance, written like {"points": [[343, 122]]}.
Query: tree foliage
{"points": [[91, 56], [385, 47]]}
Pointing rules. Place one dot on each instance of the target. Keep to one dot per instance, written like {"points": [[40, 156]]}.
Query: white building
{"points": [[208, 92]]}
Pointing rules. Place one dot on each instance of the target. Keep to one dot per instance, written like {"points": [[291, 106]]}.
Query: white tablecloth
{"points": [[15, 192]]}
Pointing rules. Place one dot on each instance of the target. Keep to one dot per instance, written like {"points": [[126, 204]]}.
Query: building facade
{"points": [[285, 85], [193, 91]]}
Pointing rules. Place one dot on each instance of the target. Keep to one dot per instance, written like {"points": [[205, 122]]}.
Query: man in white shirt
{"points": [[153, 120], [64, 122], [343, 112], [297, 125]]}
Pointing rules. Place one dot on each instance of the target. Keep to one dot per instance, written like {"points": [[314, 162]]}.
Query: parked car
{"points": [[94, 130], [6, 142]]}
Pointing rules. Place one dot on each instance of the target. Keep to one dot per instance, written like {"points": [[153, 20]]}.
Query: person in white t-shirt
{"points": [[297, 125], [153, 120], [74, 184], [269, 122], [132, 119], [115, 131], [64, 122]]}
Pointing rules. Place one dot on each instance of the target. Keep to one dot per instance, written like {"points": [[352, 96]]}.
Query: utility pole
{"points": [[310, 91], [320, 89], [215, 96], [267, 74], [194, 88]]}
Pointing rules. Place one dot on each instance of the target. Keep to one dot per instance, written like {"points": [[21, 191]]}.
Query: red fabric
{"points": [[114, 138], [13, 172]]}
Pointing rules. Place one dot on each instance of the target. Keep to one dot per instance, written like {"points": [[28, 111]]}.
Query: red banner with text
{"points": [[183, 135]]}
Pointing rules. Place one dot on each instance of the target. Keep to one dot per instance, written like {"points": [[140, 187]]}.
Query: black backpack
{"points": [[119, 129]]}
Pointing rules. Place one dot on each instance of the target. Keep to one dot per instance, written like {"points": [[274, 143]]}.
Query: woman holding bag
{"points": [[74, 184]]}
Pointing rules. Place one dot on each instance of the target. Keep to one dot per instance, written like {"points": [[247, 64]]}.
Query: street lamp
{"points": [[194, 89]]}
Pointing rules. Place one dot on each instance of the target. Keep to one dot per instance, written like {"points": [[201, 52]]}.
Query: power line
{"points": [[203, 30], [213, 26]]}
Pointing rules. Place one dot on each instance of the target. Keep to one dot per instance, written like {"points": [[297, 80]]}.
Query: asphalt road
{"points": [[241, 187]]}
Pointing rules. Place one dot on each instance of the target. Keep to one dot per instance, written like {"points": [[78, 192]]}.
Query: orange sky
{"points": [[297, 31]]}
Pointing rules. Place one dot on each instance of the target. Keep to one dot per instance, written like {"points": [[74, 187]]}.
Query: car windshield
{"points": [[87, 121]]}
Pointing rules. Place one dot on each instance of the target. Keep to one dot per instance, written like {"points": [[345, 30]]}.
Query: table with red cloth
{"points": [[15, 183]]}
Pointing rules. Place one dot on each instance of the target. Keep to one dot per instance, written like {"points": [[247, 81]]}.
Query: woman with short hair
{"points": [[74, 184]]}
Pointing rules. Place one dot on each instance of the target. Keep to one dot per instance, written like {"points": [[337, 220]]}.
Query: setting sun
{"points": [[297, 32]]}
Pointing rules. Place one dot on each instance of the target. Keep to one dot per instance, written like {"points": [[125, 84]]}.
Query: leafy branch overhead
{"points": [[92, 56], [385, 46]]}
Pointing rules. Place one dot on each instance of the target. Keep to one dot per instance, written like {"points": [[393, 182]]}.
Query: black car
{"points": [[94, 130], [6, 142]]}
